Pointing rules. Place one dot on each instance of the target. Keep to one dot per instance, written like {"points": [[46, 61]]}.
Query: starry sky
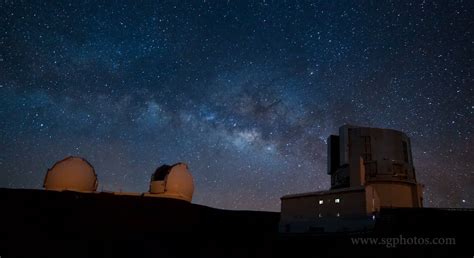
{"points": [[246, 93]]}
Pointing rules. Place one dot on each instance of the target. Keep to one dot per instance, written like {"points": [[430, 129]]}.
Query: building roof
{"points": [[161, 173], [340, 190], [370, 127]]}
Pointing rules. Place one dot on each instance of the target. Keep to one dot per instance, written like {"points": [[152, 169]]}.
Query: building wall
{"points": [[372, 200], [376, 156], [307, 207], [333, 154], [386, 154], [398, 195]]}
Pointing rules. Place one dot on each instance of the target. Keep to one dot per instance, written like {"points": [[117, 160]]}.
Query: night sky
{"points": [[246, 93]]}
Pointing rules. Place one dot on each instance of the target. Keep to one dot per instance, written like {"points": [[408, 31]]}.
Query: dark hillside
{"points": [[37, 223]]}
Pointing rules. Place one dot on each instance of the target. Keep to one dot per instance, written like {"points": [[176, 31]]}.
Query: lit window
{"points": [[321, 201], [338, 215], [337, 200]]}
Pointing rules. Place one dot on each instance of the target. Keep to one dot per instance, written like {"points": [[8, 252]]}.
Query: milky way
{"points": [[246, 93]]}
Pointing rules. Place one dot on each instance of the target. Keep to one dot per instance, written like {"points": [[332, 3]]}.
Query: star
{"points": [[245, 93]]}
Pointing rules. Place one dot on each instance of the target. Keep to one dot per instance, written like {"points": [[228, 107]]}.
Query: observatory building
{"points": [[77, 174], [72, 174], [173, 182], [370, 169]]}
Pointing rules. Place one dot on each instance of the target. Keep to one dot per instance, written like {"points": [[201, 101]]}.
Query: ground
{"points": [[38, 223]]}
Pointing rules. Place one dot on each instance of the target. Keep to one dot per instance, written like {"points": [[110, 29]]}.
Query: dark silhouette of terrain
{"points": [[38, 223]]}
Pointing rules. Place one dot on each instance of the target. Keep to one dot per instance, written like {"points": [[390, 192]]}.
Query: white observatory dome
{"points": [[71, 173], [172, 181]]}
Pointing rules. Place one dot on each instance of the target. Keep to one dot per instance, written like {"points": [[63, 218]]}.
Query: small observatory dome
{"points": [[172, 181], [71, 173]]}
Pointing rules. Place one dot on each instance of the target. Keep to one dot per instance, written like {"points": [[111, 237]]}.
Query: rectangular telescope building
{"points": [[370, 168]]}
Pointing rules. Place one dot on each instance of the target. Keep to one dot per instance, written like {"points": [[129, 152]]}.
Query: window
{"points": [[338, 215], [337, 200], [321, 202]]}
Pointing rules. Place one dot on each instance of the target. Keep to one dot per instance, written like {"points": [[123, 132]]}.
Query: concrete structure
{"points": [[370, 168]]}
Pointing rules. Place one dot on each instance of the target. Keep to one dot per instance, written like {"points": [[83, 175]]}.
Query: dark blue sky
{"points": [[246, 93]]}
